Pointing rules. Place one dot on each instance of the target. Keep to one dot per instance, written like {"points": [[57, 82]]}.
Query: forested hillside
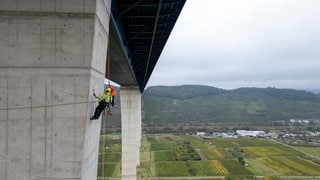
{"points": [[205, 104]]}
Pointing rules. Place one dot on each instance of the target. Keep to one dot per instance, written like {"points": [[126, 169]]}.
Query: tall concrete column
{"points": [[139, 136], [130, 98], [52, 54]]}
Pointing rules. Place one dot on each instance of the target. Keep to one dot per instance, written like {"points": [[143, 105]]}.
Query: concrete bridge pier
{"points": [[52, 54], [130, 100]]}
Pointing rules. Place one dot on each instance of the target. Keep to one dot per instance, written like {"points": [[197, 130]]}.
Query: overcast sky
{"points": [[243, 43]]}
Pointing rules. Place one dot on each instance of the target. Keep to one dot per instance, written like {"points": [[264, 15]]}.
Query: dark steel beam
{"points": [[130, 6], [136, 35], [145, 79]]}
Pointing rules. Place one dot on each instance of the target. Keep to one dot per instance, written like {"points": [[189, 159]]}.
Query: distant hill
{"points": [[183, 92], [205, 104], [315, 91]]}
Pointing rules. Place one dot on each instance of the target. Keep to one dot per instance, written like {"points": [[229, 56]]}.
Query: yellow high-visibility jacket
{"points": [[105, 97]]}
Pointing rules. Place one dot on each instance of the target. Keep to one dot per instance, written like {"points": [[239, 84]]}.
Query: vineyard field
{"points": [[163, 156], [291, 165], [161, 146], [209, 168], [271, 151], [214, 153], [171, 169], [244, 158]]}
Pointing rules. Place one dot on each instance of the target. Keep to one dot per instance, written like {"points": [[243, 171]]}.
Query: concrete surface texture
{"points": [[52, 54]]}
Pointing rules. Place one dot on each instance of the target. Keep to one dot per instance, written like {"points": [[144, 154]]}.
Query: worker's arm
{"points": [[98, 97], [102, 97]]}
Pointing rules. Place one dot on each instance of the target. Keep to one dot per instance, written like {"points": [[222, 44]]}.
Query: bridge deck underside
{"points": [[143, 28]]}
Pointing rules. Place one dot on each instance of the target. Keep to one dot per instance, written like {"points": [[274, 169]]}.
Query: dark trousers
{"points": [[112, 101], [102, 105]]}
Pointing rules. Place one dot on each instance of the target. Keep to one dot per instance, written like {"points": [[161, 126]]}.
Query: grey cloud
{"points": [[251, 43]]}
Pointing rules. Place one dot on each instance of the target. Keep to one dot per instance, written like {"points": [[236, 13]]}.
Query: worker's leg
{"points": [[99, 109], [108, 110], [112, 101]]}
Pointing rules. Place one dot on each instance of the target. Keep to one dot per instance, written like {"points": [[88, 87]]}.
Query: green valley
{"points": [[224, 158]]}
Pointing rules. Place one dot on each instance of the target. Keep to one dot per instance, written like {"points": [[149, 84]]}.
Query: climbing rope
{"points": [[108, 68], [104, 157], [108, 60]]}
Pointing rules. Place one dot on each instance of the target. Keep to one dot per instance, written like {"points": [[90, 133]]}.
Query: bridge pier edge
{"points": [[52, 56], [130, 100]]}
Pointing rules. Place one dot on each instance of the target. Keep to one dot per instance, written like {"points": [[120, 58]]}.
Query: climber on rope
{"points": [[113, 94], [105, 100]]}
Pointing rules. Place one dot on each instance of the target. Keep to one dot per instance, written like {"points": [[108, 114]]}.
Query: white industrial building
{"points": [[245, 133]]}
